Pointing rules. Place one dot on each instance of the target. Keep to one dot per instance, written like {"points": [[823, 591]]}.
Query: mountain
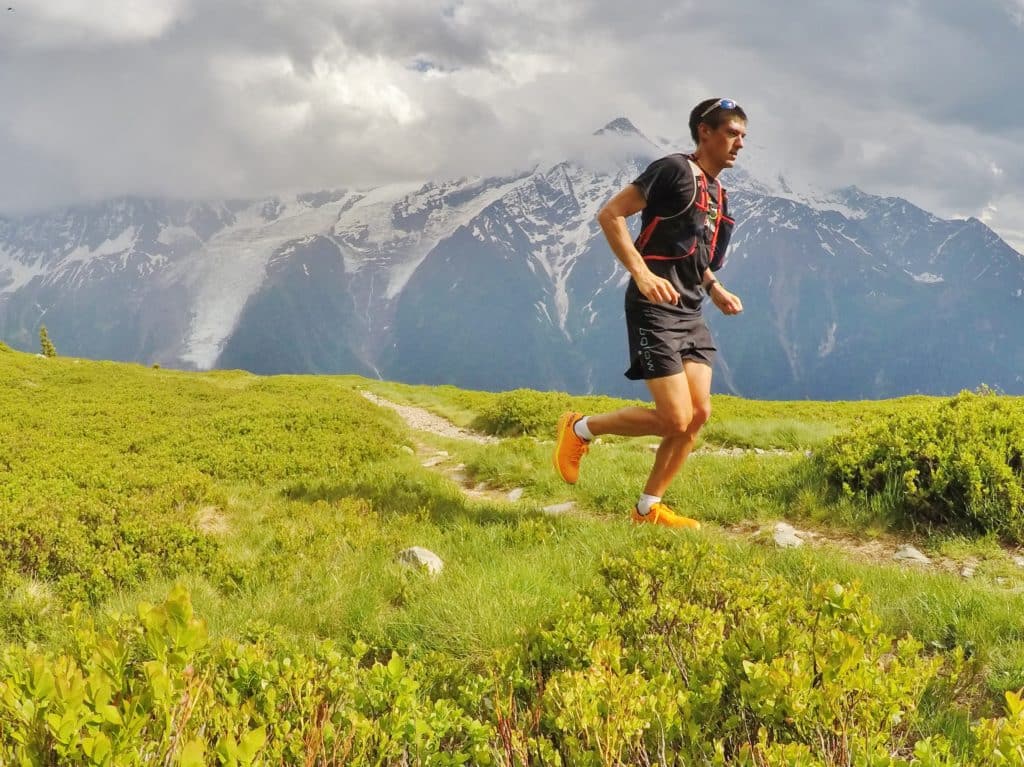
{"points": [[504, 282]]}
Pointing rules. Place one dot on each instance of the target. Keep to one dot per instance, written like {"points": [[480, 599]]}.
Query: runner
{"points": [[685, 230]]}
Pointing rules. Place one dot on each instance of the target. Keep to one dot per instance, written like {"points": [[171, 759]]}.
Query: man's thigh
{"points": [[698, 378], [672, 398]]}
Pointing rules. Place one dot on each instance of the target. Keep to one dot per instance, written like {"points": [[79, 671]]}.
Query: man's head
{"points": [[718, 127]]}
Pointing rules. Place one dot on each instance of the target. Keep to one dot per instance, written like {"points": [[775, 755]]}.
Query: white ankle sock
{"points": [[643, 506], [581, 430]]}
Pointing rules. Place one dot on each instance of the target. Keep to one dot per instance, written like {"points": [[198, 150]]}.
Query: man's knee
{"points": [[679, 422], [701, 414], [675, 423]]}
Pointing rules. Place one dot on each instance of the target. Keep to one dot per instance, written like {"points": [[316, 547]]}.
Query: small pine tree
{"points": [[49, 350]]}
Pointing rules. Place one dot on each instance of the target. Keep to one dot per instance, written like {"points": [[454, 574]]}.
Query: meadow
{"points": [[201, 568]]}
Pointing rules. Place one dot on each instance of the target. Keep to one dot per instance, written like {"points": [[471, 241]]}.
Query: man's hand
{"points": [[657, 289], [727, 303]]}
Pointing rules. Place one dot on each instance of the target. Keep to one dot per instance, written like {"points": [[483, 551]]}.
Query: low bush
{"points": [[678, 656], [685, 658], [107, 470], [155, 691], [522, 411], [960, 462]]}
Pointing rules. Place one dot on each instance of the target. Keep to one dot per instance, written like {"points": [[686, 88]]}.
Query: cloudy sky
{"points": [[210, 98]]}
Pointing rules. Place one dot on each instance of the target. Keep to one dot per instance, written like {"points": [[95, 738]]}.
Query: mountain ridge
{"points": [[377, 281]]}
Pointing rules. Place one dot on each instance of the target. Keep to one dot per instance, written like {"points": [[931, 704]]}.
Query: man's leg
{"points": [[575, 431], [682, 404]]}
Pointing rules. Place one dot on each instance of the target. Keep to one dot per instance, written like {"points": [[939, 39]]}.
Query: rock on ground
{"points": [[910, 554], [417, 556], [560, 508], [786, 536]]}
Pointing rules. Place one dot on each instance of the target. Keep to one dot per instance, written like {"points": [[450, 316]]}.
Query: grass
{"points": [[796, 425], [289, 498]]}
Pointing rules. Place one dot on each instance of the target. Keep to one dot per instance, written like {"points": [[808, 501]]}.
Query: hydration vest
{"points": [[700, 231]]}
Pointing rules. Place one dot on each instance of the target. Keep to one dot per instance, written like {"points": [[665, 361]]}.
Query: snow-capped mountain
{"points": [[496, 283]]}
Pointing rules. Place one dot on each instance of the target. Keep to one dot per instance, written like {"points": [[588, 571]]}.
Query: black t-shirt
{"points": [[677, 247], [668, 186]]}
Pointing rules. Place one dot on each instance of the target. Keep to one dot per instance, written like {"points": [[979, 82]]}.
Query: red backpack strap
{"points": [[723, 231], [645, 235]]}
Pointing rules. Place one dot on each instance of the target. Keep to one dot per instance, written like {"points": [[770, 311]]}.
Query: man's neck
{"points": [[710, 170]]}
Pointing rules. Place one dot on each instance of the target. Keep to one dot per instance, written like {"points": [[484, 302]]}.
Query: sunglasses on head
{"points": [[723, 103]]}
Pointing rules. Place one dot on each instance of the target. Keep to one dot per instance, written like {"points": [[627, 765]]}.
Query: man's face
{"points": [[721, 145]]}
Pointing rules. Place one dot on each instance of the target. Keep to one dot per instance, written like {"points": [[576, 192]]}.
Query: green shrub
{"points": [[960, 462], [107, 470], [522, 411], [679, 656], [526, 412], [154, 691]]}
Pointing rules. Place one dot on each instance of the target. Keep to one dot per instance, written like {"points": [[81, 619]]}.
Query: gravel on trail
{"points": [[423, 420]]}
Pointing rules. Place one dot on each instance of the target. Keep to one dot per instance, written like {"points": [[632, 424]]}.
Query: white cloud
{"points": [[246, 97], [57, 23], [1016, 11]]}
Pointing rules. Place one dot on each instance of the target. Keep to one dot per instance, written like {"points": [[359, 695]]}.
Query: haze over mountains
{"points": [[497, 283]]}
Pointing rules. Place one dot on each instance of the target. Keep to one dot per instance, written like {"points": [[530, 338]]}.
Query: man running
{"points": [[685, 230]]}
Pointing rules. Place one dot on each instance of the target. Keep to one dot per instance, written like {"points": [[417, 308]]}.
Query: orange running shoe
{"points": [[569, 448], [660, 514]]}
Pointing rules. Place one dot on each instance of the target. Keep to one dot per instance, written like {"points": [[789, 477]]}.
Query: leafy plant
{"points": [[959, 463]]}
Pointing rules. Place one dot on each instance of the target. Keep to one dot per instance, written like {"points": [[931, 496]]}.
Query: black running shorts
{"points": [[660, 340]]}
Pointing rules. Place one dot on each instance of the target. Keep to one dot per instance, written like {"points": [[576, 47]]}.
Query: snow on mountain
{"points": [[398, 226], [556, 213], [16, 273], [844, 290], [388, 229], [230, 267]]}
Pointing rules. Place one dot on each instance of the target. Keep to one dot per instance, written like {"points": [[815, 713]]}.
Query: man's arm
{"points": [[727, 303], [612, 218]]}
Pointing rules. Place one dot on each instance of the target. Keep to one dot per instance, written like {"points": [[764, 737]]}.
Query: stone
{"points": [[434, 461], [515, 495], [560, 508], [408, 450], [1019, 561], [967, 571], [421, 558], [786, 536], [910, 554]]}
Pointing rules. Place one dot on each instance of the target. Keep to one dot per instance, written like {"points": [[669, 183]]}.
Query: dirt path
{"points": [[419, 419], [423, 420], [888, 550]]}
